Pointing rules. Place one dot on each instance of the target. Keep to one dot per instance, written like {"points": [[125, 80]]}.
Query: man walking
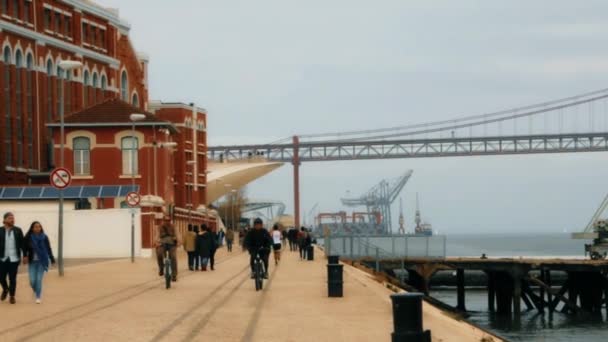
{"points": [[189, 247], [12, 247], [229, 239]]}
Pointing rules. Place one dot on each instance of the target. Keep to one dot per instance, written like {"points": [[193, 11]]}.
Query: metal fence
{"points": [[386, 247]]}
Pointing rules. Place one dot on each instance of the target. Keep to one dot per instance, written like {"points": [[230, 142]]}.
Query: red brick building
{"points": [[34, 36]]}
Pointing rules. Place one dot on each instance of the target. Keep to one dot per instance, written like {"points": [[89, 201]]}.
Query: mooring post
{"points": [[491, 292], [407, 318], [461, 295]]}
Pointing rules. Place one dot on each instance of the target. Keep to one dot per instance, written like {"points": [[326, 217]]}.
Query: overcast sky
{"points": [[268, 69]]}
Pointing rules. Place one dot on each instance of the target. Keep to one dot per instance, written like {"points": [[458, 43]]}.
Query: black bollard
{"points": [[333, 259], [334, 280], [407, 318]]}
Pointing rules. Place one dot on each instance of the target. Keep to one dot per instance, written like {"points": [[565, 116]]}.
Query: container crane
{"points": [[597, 230], [380, 198]]}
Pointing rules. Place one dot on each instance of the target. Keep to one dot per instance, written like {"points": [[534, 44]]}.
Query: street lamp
{"points": [[133, 117], [65, 66], [227, 186], [233, 191], [191, 204]]}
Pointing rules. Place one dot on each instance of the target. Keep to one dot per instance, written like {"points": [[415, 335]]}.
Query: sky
{"points": [[269, 69]]}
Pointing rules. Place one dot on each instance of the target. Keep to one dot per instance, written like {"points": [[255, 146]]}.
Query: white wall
{"points": [[87, 233]]}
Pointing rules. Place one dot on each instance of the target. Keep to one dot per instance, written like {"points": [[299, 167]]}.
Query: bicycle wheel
{"points": [[258, 276], [167, 274]]}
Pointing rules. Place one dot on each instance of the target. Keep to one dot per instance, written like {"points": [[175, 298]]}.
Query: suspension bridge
{"points": [[568, 125]]}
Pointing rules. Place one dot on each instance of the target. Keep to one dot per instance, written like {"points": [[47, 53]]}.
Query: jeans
{"points": [[229, 245], [36, 271], [204, 262], [191, 260], [9, 269]]}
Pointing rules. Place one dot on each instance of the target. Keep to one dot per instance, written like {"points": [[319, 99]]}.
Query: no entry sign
{"points": [[61, 178], [133, 199]]}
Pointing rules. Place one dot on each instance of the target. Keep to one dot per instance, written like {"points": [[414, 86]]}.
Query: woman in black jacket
{"points": [[205, 244], [39, 252]]}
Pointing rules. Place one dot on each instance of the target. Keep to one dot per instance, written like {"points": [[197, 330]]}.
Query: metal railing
{"points": [[386, 247]]}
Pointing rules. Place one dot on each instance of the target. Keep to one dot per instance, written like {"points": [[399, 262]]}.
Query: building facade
{"points": [[34, 36]]}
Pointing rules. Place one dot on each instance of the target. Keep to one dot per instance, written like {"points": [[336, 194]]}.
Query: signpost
{"points": [[133, 200], [60, 179]]}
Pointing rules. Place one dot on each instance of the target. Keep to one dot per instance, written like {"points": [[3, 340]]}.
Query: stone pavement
{"points": [[120, 301]]}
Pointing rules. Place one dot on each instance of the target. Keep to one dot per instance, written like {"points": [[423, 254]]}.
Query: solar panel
{"points": [[125, 189], [12, 192], [72, 192], [32, 192], [90, 191], [50, 192], [110, 191]]}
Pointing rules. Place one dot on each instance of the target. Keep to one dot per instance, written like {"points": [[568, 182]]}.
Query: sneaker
{"points": [[13, 301], [38, 301], [4, 295]]}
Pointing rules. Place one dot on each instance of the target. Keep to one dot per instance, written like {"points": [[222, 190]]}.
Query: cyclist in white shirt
{"points": [[276, 243]]}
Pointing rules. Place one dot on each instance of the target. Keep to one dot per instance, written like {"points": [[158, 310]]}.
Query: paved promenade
{"points": [[120, 301]]}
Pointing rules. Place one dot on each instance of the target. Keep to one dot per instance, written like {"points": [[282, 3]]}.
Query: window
{"points": [[82, 156], [30, 110], [8, 139], [94, 35], [102, 38], [135, 100], [27, 8], [129, 146], [95, 86], [47, 19], [104, 83], [68, 27], [85, 33], [4, 8], [49, 92], [19, 107], [16, 8], [85, 87], [57, 22], [124, 86]]}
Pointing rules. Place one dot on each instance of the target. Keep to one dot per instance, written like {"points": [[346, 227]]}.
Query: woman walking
{"points": [[39, 253], [276, 243], [204, 246]]}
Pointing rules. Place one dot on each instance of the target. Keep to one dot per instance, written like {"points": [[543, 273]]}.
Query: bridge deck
{"points": [[118, 301]]}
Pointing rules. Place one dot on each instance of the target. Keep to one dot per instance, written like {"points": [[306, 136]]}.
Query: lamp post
{"points": [[133, 117], [232, 211], [227, 186], [65, 66], [191, 204]]}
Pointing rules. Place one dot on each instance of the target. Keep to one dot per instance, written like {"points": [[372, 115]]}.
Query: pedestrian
{"points": [[276, 243], [214, 246], [197, 258], [189, 246], [204, 245], [229, 239], [12, 248], [167, 241], [293, 239], [39, 253], [303, 242]]}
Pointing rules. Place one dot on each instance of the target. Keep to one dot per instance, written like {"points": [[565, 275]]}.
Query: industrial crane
{"points": [[379, 198], [596, 229]]}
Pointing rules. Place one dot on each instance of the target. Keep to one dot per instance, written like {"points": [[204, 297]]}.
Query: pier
{"points": [[511, 282]]}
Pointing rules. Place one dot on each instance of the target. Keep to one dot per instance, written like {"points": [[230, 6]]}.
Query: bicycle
{"points": [[167, 265], [258, 271]]}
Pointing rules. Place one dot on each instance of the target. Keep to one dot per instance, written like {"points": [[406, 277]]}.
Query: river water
{"points": [[532, 326]]}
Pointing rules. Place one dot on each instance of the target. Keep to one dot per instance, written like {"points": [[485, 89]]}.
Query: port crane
{"points": [[380, 198], [597, 230]]}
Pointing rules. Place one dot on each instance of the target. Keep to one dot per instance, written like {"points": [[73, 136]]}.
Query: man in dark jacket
{"points": [[205, 245], [258, 240], [12, 248]]}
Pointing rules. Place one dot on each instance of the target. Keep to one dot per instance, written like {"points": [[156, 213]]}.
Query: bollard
{"points": [[333, 259], [334, 280], [407, 318]]}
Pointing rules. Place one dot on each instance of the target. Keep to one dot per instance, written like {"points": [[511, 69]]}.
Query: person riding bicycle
{"points": [[167, 241], [258, 241]]}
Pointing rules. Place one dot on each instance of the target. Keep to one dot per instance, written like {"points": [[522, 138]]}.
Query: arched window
{"points": [[30, 110], [8, 139], [124, 86], [129, 146], [85, 88], [135, 100], [82, 156], [104, 83], [95, 86], [19, 107], [49, 91]]}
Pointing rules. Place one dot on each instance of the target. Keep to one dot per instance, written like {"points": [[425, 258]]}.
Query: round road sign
{"points": [[61, 178], [133, 199]]}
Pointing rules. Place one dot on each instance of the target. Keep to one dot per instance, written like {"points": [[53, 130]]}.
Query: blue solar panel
{"points": [[125, 189], [32, 192], [12, 192], [110, 191], [50, 192], [90, 191], [72, 192]]}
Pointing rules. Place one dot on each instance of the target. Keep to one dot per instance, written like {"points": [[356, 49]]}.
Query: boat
{"points": [[422, 228]]}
